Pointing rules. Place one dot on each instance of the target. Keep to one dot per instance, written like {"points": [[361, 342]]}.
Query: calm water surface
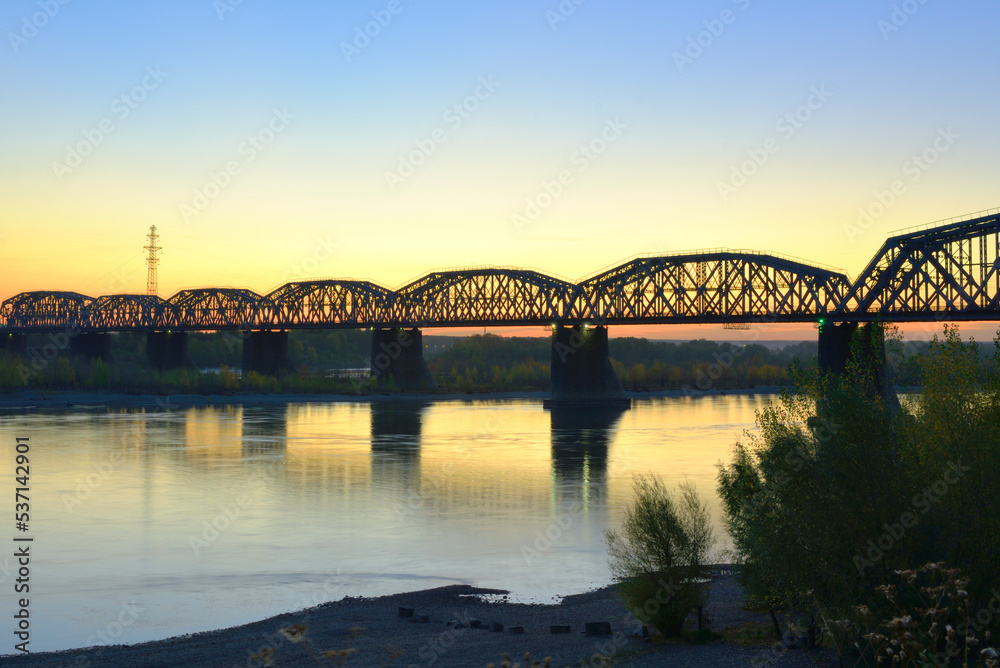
{"points": [[184, 521]]}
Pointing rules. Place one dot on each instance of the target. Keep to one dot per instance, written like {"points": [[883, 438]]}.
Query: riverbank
{"points": [[71, 399], [442, 632]]}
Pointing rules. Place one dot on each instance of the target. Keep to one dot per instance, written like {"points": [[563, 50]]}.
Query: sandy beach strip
{"points": [[442, 631]]}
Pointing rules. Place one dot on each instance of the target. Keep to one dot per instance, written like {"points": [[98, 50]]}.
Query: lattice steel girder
{"points": [[213, 308], [718, 286], [949, 271], [116, 313], [325, 303], [45, 311], [487, 296]]}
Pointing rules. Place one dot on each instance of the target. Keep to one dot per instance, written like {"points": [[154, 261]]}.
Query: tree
{"points": [[659, 556], [840, 490]]}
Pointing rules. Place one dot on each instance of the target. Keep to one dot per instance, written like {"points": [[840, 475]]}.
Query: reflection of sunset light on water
{"points": [[216, 516]]}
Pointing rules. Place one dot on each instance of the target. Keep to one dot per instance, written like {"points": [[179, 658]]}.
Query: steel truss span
{"points": [[949, 272], [489, 296], [721, 286]]}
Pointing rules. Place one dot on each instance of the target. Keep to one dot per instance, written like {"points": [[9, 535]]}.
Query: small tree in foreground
{"points": [[659, 555]]}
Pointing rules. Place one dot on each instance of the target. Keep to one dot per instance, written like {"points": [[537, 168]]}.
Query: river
{"points": [[152, 524]]}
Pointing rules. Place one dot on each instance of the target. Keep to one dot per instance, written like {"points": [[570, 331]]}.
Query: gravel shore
{"points": [[441, 633]]}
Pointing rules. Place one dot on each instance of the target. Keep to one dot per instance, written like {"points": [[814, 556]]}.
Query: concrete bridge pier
{"points": [[399, 354], [581, 369], [91, 345], [265, 352], [843, 343], [14, 344], [167, 350]]}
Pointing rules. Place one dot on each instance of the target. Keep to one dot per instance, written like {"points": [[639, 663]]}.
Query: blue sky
{"points": [[898, 80]]}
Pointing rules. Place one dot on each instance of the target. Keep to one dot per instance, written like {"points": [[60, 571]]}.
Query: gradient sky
{"points": [[887, 81]]}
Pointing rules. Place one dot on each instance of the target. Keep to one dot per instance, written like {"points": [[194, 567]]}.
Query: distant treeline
{"points": [[471, 364], [486, 361]]}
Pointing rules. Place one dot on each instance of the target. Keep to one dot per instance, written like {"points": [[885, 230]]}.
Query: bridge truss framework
{"points": [[946, 272]]}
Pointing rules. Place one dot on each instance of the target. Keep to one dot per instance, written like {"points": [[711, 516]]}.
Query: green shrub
{"points": [[100, 375], [839, 491], [659, 556]]}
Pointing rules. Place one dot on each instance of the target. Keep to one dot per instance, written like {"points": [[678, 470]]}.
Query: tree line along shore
{"points": [[334, 361]]}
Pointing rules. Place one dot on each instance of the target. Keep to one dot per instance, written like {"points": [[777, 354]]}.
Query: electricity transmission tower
{"points": [[152, 260]]}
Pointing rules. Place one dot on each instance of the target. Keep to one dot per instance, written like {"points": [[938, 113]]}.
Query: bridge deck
{"points": [[947, 272]]}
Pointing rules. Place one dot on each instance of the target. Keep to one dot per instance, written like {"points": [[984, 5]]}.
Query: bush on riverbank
{"points": [[659, 557], [838, 492]]}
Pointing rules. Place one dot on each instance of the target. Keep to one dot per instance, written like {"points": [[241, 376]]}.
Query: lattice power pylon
{"points": [[152, 260]]}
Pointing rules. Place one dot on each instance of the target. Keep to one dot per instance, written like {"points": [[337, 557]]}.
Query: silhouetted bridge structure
{"points": [[941, 272]]}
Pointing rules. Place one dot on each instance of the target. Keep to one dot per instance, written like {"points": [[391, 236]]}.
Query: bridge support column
{"points": [[581, 369], [14, 344], [843, 343], [265, 352], [399, 354], [91, 345], [835, 346], [167, 350]]}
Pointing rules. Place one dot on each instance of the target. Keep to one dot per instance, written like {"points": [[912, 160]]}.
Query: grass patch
{"points": [[751, 634], [704, 636]]}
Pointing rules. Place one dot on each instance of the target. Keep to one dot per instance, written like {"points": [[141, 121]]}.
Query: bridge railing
{"points": [[946, 221], [708, 252], [779, 285]]}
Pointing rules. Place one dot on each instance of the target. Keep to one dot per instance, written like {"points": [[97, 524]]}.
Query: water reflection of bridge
{"points": [[395, 446], [460, 471], [581, 440]]}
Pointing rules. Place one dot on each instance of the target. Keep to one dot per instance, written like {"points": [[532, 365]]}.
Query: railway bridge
{"points": [[946, 271]]}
